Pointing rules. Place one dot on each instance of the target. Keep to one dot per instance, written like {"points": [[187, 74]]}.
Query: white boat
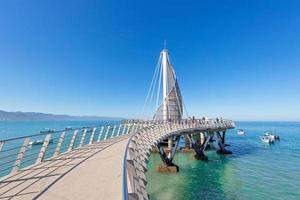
{"points": [[267, 139], [48, 130], [272, 135], [240, 132], [269, 135], [39, 142], [36, 142]]}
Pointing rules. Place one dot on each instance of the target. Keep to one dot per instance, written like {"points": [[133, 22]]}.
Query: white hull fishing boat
{"points": [[240, 132], [38, 142], [272, 135], [267, 139]]}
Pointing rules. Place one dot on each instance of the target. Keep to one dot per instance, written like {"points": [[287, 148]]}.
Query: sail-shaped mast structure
{"points": [[171, 107]]}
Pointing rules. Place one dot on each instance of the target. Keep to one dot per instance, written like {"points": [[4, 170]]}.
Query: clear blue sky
{"points": [[237, 59]]}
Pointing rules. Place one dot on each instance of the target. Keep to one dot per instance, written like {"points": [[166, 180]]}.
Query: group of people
{"points": [[203, 120]]}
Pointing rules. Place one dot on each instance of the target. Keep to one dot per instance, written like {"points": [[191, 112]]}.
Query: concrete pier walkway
{"points": [[91, 172]]}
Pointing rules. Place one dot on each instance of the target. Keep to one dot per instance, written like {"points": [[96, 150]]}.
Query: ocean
{"points": [[11, 129], [254, 170]]}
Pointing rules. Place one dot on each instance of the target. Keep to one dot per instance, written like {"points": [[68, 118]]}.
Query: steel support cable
{"points": [[158, 89], [9, 161], [27, 161], [49, 152], [5, 169], [154, 86], [9, 155], [151, 85], [32, 153], [14, 148]]}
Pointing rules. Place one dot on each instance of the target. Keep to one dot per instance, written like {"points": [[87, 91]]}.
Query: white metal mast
{"points": [[171, 106], [165, 83]]}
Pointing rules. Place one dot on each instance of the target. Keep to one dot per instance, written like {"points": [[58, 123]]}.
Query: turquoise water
{"points": [[10, 129], [11, 148], [253, 171]]}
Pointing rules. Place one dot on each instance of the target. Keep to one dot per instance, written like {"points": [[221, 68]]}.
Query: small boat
{"points": [[272, 135], [267, 139], [68, 128], [48, 130], [39, 142], [240, 132]]}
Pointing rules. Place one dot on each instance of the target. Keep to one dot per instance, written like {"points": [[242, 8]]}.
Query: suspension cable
{"points": [[151, 86]]}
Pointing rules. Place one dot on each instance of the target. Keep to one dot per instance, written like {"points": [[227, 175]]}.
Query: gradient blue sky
{"points": [[237, 59]]}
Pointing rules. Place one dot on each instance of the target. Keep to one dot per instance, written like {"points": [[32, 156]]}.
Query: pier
{"points": [[108, 161]]}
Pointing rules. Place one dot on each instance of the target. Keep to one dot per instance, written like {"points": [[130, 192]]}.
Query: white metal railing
{"points": [[20, 152]]}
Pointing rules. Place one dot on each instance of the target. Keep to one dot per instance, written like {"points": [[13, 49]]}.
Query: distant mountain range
{"points": [[34, 116]]}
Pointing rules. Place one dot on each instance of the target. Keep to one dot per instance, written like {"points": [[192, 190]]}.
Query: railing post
{"points": [[43, 149], [128, 129], [92, 136], [73, 140], [140, 126], [137, 127], [82, 137], [100, 134], [133, 128], [107, 131], [119, 129], [113, 132], [124, 129], [20, 156], [1, 145], [59, 143]]}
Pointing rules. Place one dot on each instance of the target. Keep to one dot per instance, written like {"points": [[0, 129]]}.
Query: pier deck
{"points": [[91, 172]]}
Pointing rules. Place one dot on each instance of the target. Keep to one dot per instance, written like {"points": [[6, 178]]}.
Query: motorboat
{"points": [[272, 135], [48, 130], [39, 142], [240, 132], [68, 128], [267, 139]]}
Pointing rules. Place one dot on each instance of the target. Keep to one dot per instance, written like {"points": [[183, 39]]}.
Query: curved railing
{"points": [[25, 151], [142, 142]]}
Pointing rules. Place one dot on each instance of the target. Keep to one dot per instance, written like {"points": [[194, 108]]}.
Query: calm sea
{"points": [[254, 170], [10, 129]]}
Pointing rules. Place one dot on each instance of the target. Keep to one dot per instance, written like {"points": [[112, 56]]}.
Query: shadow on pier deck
{"points": [[91, 172]]}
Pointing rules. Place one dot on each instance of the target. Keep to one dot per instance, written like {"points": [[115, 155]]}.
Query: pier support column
{"points": [[199, 148], [221, 143], [169, 166]]}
